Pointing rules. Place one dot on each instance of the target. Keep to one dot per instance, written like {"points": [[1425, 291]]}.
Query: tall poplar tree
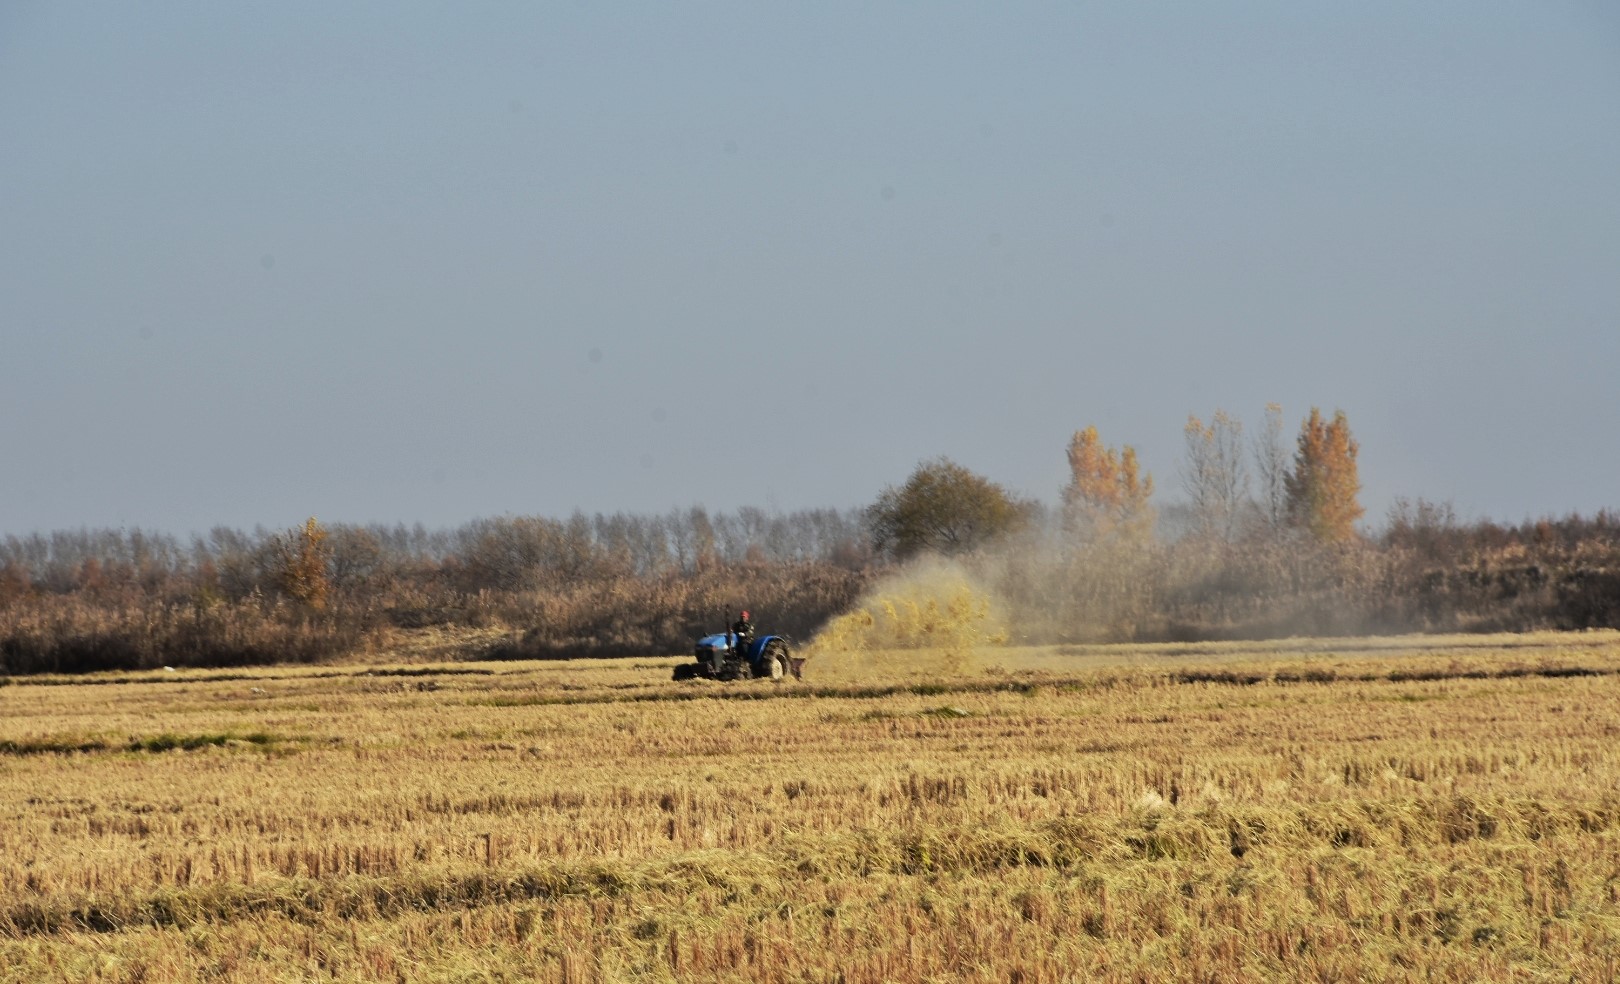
{"points": [[1323, 485], [1106, 493], [1214, 473]]}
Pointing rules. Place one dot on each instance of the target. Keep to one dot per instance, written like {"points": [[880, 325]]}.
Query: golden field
{"points": [[1414, 808]]}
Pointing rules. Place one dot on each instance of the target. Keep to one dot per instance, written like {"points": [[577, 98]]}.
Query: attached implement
{"points": [[720, 658]]}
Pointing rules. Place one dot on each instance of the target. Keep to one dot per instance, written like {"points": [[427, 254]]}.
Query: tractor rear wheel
{"points": [[776, 658]]}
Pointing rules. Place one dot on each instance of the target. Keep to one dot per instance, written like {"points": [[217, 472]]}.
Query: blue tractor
{"points": [[719, 657]]}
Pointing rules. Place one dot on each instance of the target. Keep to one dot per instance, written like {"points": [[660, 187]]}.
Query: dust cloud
{"points": [[931, 616]]}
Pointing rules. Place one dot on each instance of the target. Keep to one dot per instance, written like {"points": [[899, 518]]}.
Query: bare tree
{"points": [[356, 556], [1429, 530], [1271, 464], [705, 545], [1214, 474]]}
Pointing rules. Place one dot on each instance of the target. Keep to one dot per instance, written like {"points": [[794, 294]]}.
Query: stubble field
{"points": [[1376, 809]]}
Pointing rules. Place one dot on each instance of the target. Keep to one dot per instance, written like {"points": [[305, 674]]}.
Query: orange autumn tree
{"points": [[302, 556], [1106, 493], [1323, 484]]}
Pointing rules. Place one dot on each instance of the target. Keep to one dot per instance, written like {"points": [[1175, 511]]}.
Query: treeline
{"points": [[499, 553], [1264, 543], [1423, 572], [601, 585], [107, 599], [1486, 576]]}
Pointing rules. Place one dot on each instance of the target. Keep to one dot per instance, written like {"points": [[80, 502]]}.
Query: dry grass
{"points": [[1383, 809]]}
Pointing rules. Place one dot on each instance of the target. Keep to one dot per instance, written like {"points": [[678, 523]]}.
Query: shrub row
{"points": [[568, 591]]}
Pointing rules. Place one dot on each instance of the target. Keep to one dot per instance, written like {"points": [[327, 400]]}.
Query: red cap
{"points": [[745, 614]]}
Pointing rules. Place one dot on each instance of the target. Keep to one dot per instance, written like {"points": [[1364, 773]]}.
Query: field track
{"points": [[1377, 809]]}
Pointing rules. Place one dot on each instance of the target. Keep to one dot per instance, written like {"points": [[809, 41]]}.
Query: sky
{"points": [[411, 262]]}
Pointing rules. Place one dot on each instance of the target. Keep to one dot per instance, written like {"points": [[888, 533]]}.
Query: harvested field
{"points": [[1412, 808]]}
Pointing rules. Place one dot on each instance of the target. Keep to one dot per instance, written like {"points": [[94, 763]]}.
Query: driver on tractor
{"points": [[743, 630]]}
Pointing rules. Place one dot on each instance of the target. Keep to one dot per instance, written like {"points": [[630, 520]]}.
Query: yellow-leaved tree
{"points": [[1106, 495], [1323, 485], [303, 555]]}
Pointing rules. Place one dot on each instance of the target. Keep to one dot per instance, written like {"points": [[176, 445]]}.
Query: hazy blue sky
{"points": [[412, 262]]}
